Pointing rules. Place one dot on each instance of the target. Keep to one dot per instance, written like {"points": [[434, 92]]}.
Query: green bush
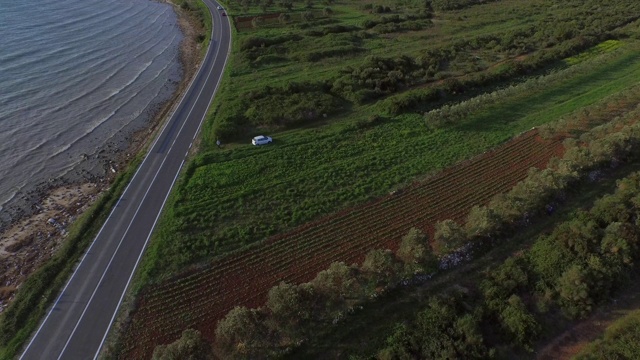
{"points": [[442, 331], [190, 346], [520, 325], [408, 100]]}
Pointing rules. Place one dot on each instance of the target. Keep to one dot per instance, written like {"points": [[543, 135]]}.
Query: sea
{"points": [[77, 78]]}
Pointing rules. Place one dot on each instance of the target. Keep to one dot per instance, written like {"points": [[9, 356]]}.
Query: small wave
{"points": [[41, 94]]}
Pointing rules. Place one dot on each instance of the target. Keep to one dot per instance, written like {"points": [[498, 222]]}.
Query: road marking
{"points": [[104, 338], [111, 260], [136, 214], [113, 317], [123, 195]]}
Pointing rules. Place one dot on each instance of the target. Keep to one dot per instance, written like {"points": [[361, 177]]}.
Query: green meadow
{"points": [[229, 198]]}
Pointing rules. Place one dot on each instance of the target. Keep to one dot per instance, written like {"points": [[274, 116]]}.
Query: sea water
{"points": [[77, 77]]}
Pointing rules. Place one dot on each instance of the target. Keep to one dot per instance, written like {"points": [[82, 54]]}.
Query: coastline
{"points": [[35, 234]]}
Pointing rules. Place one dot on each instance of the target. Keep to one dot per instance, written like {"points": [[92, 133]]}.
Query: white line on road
{"points": [[120, 199]]}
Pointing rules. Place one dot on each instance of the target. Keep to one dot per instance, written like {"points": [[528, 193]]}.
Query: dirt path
{"points": [[573, 340]]}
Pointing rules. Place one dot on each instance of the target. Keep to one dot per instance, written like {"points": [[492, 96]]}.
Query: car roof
{"points": [[260, 137]]}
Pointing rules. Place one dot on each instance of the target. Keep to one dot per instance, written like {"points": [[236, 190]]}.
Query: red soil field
{"points": [[203, 297]]}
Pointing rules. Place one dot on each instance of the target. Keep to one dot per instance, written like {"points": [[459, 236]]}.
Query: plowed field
{"points": [[199, 299]]}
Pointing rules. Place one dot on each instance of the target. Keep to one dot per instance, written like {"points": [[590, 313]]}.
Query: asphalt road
{"points": [[77, 324]]}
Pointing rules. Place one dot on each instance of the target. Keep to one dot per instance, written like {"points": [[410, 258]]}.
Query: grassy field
{"points": [[289, 73], [363, 99], [239, 195]]}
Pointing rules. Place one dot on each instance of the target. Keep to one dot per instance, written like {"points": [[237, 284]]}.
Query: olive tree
{"points": [[415, 252], [190, 346], [449, 236]]}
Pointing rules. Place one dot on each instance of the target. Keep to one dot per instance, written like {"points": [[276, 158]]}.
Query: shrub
{"points": [[448, 237], [190, 346], [243, 333], [519, 323], [398, 104], [416, 254]]}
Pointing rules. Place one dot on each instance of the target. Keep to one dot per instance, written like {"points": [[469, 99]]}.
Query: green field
{"points": [[236, 196], [337, 145], [284, 75], [364, 98]]}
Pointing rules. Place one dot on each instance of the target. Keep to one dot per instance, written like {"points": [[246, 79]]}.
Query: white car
{"points": [[261, 140], [219, 7]]}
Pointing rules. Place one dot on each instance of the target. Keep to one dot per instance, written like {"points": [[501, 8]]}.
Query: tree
{"points": [[444, 331], [338, 282], [611, 208], [504, 281], [243, 333], [508, 207], [482, 221], [519, 323], [548, 260], [581, 235], [293, 308], [449, 236], [190, 346], [619, 244], [383, 268], [574, 290], [416, 254], [399, 345]]}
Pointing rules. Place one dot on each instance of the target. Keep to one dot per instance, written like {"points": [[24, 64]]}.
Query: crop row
{"points": [[379, 228], [203, 297]]}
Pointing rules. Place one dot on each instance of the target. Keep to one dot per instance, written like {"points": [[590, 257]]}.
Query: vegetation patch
{"points": [[621, 340], [296, 256], [602, 48], [367, 68], [370, 51], [249, 194]]}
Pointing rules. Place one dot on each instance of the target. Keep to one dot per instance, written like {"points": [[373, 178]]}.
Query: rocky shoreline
{"points": [[35, 226]]}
